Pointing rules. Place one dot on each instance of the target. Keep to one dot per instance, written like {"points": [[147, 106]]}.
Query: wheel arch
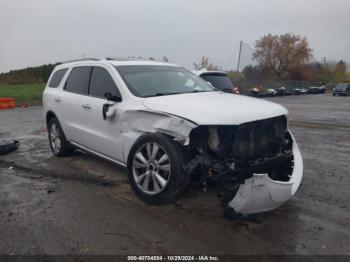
{"points": [[49, 116], [151, 122]]}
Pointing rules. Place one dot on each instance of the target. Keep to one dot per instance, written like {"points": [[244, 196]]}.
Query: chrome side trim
{"points": [[98, 154]]}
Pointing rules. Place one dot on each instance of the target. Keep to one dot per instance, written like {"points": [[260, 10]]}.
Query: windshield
{"points": [[218, 80], [150, 80], [341, 86]]}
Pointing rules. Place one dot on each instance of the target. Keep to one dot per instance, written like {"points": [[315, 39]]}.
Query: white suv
{"points": [[169, 127]]}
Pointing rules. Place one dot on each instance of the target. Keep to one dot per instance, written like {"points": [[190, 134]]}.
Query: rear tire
{"points": [[58, 143], [155, 169]]}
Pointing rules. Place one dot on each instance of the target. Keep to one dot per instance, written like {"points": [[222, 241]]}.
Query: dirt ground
{"points": [[84, 205]]}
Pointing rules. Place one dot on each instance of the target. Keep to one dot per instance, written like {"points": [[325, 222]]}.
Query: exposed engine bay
{"points": [[233, 154], [236, 152]]}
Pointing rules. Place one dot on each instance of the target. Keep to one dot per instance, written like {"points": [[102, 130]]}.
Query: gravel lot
{"points": [[84, 205]]}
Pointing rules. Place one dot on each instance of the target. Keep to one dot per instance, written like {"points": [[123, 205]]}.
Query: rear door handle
{"points": [[57, 99], [86, 106]]}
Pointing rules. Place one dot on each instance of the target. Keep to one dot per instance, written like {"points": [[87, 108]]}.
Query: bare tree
{"points": [[205, 63], [282, 54]]}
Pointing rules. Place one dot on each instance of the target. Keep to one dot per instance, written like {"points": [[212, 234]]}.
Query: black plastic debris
{"points": [[8, 148]]}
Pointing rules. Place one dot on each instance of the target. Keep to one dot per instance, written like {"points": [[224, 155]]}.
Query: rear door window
{"points": [[101, 82], [57, 78], [78, 80]]}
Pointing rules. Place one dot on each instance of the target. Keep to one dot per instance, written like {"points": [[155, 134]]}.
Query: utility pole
{"points": [[239, 56]]}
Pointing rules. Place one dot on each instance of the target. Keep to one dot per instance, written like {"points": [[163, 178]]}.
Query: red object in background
{"points": [[24, 105], [7, 102], [235, 90]]}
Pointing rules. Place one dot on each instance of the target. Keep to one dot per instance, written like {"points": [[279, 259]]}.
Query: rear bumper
{"points": [[260, 193]]}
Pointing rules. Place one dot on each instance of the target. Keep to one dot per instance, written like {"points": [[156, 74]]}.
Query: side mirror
{"points": [[110, 98], [113, 98]]}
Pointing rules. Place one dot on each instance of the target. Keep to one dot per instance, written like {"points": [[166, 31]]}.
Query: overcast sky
{"points": [[35, 32]]}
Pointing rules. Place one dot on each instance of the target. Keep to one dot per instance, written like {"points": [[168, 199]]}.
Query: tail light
{"points": [[235, 90]]}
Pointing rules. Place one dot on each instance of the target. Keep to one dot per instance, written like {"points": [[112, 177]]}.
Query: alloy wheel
{"points": [[151, 168], [55, 138]]}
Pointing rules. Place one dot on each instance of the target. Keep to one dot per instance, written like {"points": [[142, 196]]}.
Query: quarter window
{"points": [[101, 83], [57, 78], [78, 80]]}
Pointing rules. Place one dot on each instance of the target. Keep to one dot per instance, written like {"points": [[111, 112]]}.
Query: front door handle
{"points": [[86, 106], [58, 100]]}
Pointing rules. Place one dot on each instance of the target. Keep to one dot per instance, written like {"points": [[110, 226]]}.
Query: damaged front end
{"points": [[258, 163]]}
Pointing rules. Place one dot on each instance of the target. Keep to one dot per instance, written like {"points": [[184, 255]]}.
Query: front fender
{"points": [[139, 122]]}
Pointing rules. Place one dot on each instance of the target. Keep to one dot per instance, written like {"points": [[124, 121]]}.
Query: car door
{"points": [[71, 101], [102, 135]]}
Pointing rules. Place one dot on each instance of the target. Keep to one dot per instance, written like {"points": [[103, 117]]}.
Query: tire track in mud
{"points": [[35, 173]]}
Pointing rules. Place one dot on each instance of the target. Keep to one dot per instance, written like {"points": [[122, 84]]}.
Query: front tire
{"points": [[58, 142], [155, 169]]}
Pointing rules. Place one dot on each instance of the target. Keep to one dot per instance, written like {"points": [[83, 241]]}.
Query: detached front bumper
{"points": [[260, 193]]}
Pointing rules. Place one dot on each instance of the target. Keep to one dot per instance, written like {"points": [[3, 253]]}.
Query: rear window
{"points": [[78, 80], [57, 78], [218, 80]]}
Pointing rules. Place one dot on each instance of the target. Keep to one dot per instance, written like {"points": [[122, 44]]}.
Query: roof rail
{"points": [[130, 58], [81, 59]]}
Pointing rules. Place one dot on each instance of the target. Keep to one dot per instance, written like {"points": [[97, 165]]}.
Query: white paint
{"points": [[216, 108]]}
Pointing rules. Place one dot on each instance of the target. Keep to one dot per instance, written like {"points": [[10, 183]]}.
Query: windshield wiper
{"points": [[164, 94], [202, 91], [167, 93], [179, 93]]}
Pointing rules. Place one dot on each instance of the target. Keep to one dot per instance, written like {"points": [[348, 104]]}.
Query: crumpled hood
{"points": [[215, 108]]}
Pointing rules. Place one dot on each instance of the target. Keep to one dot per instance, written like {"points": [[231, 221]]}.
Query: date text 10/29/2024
{"points": [[173, 258]]}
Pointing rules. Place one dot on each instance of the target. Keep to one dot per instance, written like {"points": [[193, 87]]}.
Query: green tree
{"points": [[28, 75], [340, 72], [234, 75]]}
